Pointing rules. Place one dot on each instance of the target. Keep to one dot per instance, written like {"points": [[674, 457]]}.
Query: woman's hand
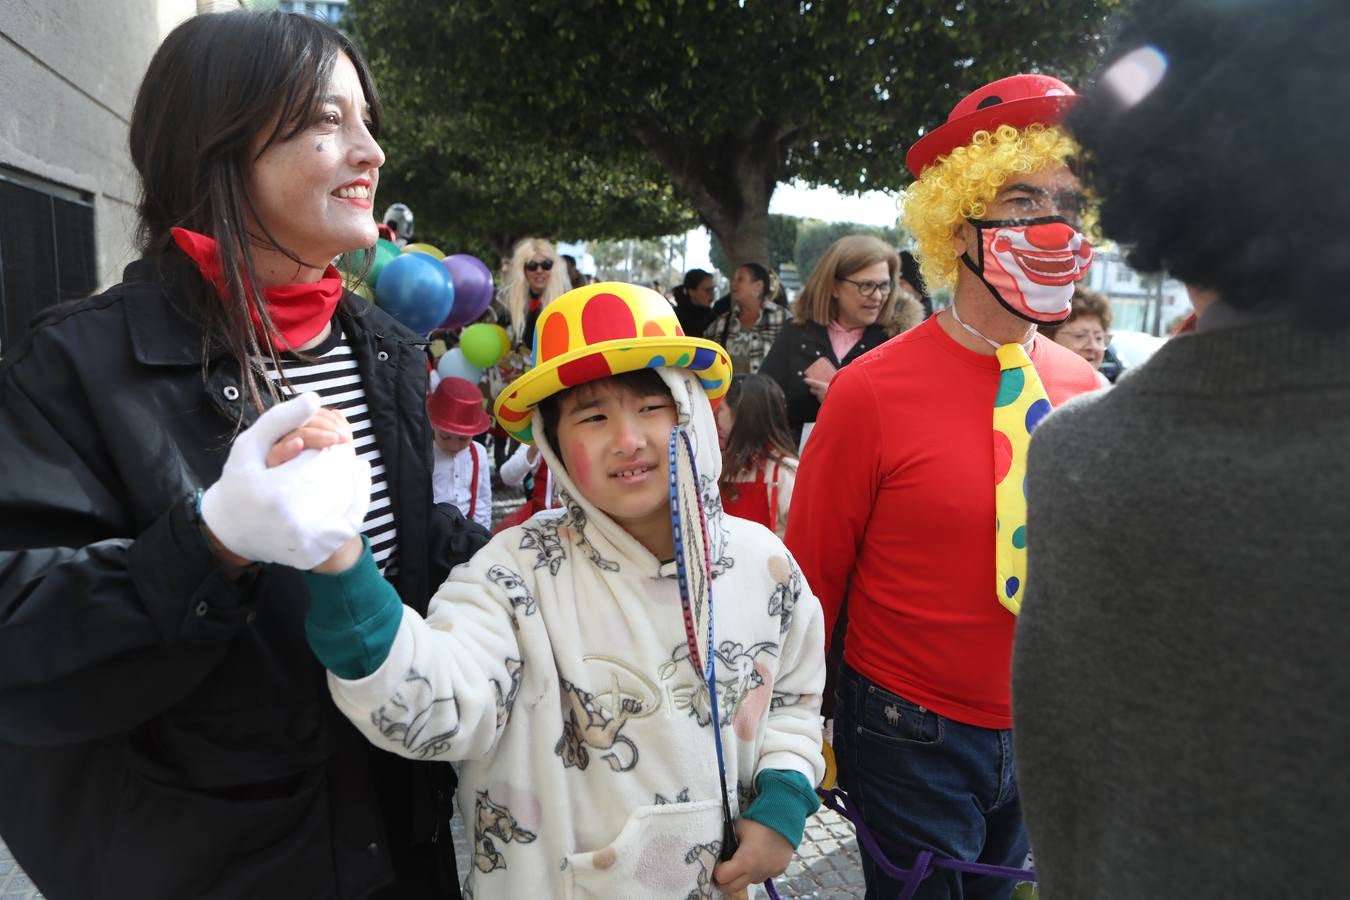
{"points": [[293, 490], [762, 854], [818, 388]]}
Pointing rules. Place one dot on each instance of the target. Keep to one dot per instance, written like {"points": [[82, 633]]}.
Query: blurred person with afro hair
{"points": [[1179, 674]]}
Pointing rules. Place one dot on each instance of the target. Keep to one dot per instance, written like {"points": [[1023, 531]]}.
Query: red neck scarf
{"points": [[299, 311]]}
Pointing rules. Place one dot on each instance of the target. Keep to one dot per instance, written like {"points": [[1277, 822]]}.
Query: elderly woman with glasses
{"points": [[1087, 330], [848, 305]]}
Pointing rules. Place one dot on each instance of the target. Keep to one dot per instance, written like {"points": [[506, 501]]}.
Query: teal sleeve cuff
{"points": [[784, 801], [353, 618]]}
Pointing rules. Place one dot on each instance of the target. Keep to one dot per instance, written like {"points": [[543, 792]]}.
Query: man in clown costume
{"points": [[909, 500], [555, 667]]}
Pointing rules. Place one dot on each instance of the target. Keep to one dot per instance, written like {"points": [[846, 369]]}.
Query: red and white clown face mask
{"points": [[1030, 265]]}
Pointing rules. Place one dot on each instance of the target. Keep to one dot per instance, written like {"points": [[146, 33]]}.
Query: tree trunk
{"points": [[729, 184], [745, 239]]}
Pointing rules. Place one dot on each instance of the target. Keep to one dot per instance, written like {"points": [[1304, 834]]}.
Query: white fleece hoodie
{"points": [[554, 668]]}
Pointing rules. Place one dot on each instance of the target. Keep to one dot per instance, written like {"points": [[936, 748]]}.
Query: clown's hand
{"points": [[296, 514]]}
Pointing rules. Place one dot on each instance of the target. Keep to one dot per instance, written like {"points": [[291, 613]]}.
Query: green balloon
{"points": [[385, 251], [481, 345]]}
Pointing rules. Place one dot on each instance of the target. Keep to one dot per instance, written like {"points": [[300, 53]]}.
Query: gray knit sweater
{"points": [[1181, 673]]}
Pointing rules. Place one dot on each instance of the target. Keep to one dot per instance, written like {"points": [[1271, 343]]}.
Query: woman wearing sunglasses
{"points": [[848, 306], [534, 279]]}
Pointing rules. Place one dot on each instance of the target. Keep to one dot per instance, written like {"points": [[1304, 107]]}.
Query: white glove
{"points": [[298, 513]]}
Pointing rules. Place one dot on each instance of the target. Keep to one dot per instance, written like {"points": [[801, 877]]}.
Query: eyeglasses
{"points": [[1025, 201], [1082, 338], [869, 288], [546, 265]]}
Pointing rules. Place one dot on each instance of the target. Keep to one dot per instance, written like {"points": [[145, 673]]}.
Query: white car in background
{"points": [[1129, 349]]}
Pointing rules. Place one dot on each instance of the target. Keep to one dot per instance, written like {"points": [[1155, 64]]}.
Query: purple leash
{"points": [[924, 861]]}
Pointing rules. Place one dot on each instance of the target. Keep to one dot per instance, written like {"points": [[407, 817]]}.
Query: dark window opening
{"points": [[47, 252]]}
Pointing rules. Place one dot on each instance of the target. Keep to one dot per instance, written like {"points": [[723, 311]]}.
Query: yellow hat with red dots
{"points": [[605, 329]]}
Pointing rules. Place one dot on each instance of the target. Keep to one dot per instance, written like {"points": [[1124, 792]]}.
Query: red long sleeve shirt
{"points": [[894, 506]]}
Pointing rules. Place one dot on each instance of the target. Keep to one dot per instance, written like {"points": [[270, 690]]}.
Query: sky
{"points": [[797, 199], [792, 199]]}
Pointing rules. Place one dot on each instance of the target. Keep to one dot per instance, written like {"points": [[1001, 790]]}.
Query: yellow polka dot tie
{"points": [[1021, 403]]}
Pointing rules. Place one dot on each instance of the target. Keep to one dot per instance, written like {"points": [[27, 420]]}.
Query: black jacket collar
{"points": [[165, 329]]}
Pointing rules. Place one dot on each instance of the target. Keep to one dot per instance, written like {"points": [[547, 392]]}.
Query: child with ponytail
{"points": [[759, 462]]}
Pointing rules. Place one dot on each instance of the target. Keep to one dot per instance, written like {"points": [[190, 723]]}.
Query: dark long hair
{"points": [[216, 84], [692, 279], [761, 428], [760, 274]]}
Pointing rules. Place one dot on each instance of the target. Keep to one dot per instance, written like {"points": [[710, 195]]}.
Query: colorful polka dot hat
{"points": [[605, 329]]}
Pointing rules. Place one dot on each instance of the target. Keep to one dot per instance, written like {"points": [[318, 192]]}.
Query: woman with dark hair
{"points": [[164, 729], [759, 457], [1179, 673], [693, 301], [848, 306], [748, 329]]}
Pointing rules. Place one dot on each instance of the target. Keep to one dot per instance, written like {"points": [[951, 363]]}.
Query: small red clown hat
{"points": [[456, 406], [1018, 100], [605, 329]]}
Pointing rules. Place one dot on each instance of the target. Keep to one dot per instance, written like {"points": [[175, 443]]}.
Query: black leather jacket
{"points": [[165, 732], [797, 346]]}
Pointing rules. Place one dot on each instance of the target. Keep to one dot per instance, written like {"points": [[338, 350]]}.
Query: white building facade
{"points": [[69, 72]]}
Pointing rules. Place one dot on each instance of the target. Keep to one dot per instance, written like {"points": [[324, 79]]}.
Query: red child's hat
{"points": [[456, 406]]}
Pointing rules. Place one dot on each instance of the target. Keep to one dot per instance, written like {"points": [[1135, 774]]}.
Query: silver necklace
{"points": [[1026, 345]]}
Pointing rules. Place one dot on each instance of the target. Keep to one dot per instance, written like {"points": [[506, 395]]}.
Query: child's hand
{"points": [[762, 854], [324, 429], [343, 558]]}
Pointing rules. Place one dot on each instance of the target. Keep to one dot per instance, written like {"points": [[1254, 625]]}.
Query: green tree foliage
{"points": [[517, 116], [814, 237]]}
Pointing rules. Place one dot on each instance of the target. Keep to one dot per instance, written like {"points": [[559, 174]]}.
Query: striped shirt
{"points": [[334, 377]]}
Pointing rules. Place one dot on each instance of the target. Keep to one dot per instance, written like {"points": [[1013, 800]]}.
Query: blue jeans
{"points": [[924, 782]]}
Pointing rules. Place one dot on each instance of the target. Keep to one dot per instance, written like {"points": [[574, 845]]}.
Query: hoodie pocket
{"points": [[663, 851]]}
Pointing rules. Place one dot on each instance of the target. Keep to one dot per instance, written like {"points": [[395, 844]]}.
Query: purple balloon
{"points": [[473, 289]]}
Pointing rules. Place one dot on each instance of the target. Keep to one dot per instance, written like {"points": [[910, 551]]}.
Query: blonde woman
{"points": [[849, 305], [535, 277]]}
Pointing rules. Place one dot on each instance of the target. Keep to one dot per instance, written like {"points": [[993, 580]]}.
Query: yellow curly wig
{"points": [[961, 184]]}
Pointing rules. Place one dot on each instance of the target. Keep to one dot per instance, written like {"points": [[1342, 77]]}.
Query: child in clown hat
{"points": [[555, 666], [461, 475]]}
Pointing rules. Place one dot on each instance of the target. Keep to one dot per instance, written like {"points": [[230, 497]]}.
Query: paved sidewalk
{"points": [[14, 884], [827, 864]]}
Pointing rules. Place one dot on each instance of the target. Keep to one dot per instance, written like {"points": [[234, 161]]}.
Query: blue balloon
{"points": [[454, 364], [416, 290]]}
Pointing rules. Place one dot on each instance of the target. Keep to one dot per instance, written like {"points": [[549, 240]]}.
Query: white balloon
{"points": [[453, 364]]}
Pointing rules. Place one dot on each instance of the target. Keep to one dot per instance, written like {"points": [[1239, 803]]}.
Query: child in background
{"points": [[555, 666], [759, 464], [524, 462], [461, 477]]}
